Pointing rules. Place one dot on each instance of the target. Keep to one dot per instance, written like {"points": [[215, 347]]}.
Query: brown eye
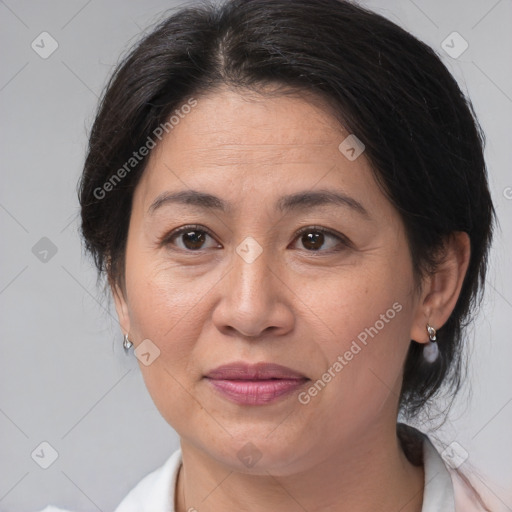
{"points": [[320, 240], [313, 241], [193, 239], [190, 238]]}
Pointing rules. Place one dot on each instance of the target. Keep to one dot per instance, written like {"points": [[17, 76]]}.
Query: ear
{"points": [[441, 289], [121, 306]]}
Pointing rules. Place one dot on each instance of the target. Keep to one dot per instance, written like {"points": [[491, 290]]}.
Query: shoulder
{"points": [[155, 491], [473, 493], [448, 487]]}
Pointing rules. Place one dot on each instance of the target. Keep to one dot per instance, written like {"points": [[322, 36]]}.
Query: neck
{"points": [[371, 473]]}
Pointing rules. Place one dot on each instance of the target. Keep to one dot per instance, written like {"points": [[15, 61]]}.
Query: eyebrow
{"points": [[293, 202]]}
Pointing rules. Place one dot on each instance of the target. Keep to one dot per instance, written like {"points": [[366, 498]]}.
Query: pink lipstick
{"points": [[254, 384]]}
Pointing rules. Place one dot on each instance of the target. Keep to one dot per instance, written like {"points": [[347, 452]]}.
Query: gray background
{"points": [[64, 376]]}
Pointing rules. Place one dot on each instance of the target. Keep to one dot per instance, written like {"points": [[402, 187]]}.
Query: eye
{"points": [[313, 238], [190, 238]]}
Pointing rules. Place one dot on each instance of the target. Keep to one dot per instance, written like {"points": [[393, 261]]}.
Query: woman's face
{"points": [[295, 258]]}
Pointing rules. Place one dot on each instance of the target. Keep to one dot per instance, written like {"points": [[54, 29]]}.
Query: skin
{"points": [[292, 306]]}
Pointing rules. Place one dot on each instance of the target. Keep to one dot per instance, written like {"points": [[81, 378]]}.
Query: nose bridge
{"points": [[250, 279], [252, 298]]}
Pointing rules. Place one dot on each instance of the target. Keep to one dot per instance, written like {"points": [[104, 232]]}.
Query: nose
{"points": [[254, 299]]}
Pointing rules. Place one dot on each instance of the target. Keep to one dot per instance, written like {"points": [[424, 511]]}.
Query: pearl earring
{"points": [[431, 350]]}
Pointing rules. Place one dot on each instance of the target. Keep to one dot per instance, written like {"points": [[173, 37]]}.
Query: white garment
{"points": [[444, 490]]}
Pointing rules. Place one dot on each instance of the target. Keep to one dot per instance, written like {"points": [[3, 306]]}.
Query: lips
{"points": [[254, 384], [259, 371]]}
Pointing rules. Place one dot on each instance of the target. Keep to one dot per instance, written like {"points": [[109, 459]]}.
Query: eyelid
{"points": [[166, 239]]}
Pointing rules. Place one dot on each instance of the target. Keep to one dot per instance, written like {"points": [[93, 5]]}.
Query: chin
{"points": [[258, 455]]}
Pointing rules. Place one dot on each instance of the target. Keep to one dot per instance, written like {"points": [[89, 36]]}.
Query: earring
{"points": [[431, 350], [127, 344]]}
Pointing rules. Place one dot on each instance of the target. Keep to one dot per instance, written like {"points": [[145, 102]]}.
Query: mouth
{"points": [[255, 384]]}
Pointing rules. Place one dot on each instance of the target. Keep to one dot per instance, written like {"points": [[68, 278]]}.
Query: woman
{"points": [[289, 200]]}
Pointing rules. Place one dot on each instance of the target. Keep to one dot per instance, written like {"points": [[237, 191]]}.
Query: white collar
{"points": [[156, 491], [438, 491]]}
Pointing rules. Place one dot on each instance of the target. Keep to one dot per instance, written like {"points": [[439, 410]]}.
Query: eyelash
{"points": [[343, 240]]}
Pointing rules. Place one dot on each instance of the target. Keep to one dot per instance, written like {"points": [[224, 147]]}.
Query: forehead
{"points": [[231, 142], [263, 123]]}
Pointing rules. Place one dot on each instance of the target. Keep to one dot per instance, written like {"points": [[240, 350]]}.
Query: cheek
{"points": [[162, 298], [373, 294], [368, 313], [167, 312], [165, 307]]}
